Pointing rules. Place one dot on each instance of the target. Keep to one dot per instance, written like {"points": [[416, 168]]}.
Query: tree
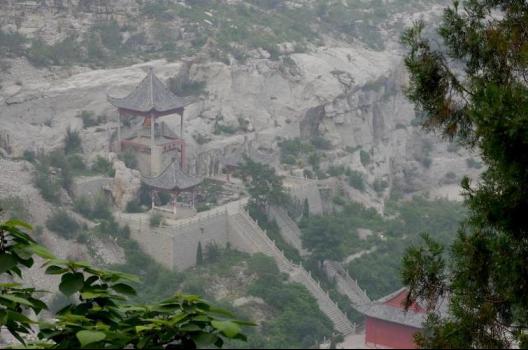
{"points": [[199, 254], [324, 238], [306, 208], [264, 186], [474, 89], [100, 317], [72, 142]]}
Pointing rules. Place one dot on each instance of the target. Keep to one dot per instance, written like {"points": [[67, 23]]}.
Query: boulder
{"points": [[126, 184]]}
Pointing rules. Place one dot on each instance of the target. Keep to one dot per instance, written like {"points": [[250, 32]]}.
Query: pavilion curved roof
{"points": [[151, 95], [381, 310], [172, 178]]}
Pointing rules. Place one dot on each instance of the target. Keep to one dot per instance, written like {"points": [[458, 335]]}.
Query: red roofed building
{"points": [[388, 326]]}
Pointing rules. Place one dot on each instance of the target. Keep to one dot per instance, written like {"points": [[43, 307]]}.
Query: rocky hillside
{"points": [[267, 71]]}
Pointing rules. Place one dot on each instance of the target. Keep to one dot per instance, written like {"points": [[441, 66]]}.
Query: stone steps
{"points": [[346, 284], [288, 228], [261, 243]]}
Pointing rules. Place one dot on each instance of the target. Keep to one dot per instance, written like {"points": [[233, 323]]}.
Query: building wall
{"points": [[176, 247], [383, 334], [156, 244], [213, 230]]}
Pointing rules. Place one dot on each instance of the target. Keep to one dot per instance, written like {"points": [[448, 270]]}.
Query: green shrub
{"points": [[129, 158], [155, 220], [83, 206], [76, 163], [134, 206], [63, 224], [102, 209], [185, 87], [364, 156], [321, 143], [29, 156], [11, 44], [356, 180], [98, 208], [103, 166], [72, 142], [201, 139], [426, 162], [337, 170], [380, 185], [89, 119], [14, 207], [220, 128], [49, 185]]}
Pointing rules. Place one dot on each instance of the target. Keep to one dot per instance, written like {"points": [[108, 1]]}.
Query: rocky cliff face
{"points": [[350, 96], [346, 93], [53, 20]]}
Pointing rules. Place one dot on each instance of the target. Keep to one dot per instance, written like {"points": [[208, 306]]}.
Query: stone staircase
{"points": [[346, 284], [288, 228], [260, 242]]}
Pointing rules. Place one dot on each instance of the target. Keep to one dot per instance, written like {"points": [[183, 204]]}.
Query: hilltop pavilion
{"points": [[161, 153]]}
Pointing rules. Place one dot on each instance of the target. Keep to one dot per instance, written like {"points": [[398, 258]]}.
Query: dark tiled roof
{"points": [[172, 178], [151, 95], [392, 314], [380, 310]]}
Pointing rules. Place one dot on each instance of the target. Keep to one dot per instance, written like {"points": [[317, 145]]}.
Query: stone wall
{"points": [[175, 247], [159, 245]]}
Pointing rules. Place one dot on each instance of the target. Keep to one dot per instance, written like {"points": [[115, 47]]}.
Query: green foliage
{"points": [[182, 86], [290, 301], [89, 119], [220, 128], [292, 149], [335, 236], [49, 186], [207, 193], [56, 170], [72, 142], [201, 139], [321, 143], [63, 224], [64, 52], [29, 156], [155, 220], [199, 255], [98, 208], [129, 158], [306, 208], [380, 185], [273, 231], [356, 180], [264, 186], [11, 44], [364, 157], [134, 206], [103, 166], [14, 208], [324, 237], [100, 316], [485, 109]]}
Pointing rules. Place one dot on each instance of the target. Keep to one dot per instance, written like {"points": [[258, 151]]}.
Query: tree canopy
{"points": [[264, 185], [100, 316], [472, 87]]}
